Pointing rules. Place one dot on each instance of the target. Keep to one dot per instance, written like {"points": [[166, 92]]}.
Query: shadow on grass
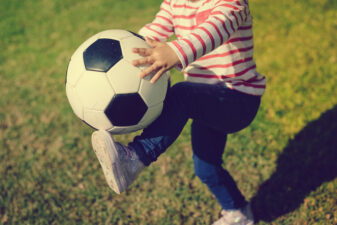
{"points": [[309, 160]]}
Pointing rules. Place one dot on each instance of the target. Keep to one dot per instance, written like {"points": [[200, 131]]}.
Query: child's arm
{"points": [[161, 57], [161, 28], [224, 20]]}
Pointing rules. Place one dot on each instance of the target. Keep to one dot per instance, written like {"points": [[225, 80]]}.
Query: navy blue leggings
{"points": [[216, 111]]}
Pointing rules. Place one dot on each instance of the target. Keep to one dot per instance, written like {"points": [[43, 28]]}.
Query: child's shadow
{"points": [[309, 160]]}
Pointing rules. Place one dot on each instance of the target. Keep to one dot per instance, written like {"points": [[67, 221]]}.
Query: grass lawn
{"points": [[285, 162]]}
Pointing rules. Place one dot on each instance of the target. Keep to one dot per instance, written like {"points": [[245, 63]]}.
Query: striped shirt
{"points": [[214, 41]]}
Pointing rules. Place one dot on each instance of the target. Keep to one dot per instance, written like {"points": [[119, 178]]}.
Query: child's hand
{"points": [[160, 57]]}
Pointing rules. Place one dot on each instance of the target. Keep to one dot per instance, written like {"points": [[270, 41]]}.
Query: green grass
{"points": [[285, 162]]}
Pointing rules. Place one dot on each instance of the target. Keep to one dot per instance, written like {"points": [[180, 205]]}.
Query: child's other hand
{"points": [[160, 59]]}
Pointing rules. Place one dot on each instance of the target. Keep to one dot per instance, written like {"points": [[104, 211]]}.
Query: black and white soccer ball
{"points": [[104, 89]]}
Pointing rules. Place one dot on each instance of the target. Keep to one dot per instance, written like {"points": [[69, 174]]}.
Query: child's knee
{"points": [[208, 179]]}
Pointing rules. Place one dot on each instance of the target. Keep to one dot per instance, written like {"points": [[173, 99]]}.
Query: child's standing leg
{"points": [[208, 146]]}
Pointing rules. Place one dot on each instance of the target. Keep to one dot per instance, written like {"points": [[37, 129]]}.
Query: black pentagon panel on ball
{"points": [[102, 55], [126, 109]]}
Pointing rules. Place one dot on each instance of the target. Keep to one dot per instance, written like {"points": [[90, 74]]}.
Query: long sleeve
{"points": [[224, 19], [161, 27]]}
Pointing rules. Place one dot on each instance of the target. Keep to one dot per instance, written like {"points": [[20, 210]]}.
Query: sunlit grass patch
{"points": [[49, 174]]}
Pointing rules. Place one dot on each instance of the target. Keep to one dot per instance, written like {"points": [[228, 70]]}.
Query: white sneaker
{"points": [[120, 164], [243, 216]]}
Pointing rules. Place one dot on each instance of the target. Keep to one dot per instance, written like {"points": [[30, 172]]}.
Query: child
{"points": [[221, 94]]}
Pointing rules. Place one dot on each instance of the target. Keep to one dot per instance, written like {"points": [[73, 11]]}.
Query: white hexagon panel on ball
{"points": [[97, 119], [75, 101], [115, 34], [124, 77], [94, 90], [151, 115], [154, 93], [132, 42], [76, 65], [75, 69]]}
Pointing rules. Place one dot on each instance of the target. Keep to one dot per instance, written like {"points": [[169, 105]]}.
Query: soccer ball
{"points": [[104, 89]]}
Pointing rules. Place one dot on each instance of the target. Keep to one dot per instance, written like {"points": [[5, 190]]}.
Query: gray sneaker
{"points": [[120, 164], [243, 216]]}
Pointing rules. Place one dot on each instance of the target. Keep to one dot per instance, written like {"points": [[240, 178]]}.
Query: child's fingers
{"points": [[142, 51], [148, 70], [142, 61], [157, 76]]}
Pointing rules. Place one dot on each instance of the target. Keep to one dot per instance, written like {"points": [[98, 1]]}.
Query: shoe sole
{"points": [[107, 155]]}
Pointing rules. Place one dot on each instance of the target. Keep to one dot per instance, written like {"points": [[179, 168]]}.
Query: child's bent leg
{"points": [[156, 138], [215, 105], [208, 146]]}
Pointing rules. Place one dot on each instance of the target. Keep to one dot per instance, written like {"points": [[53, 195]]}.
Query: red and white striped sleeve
{"points": [[161, 27], [225, 18]]}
